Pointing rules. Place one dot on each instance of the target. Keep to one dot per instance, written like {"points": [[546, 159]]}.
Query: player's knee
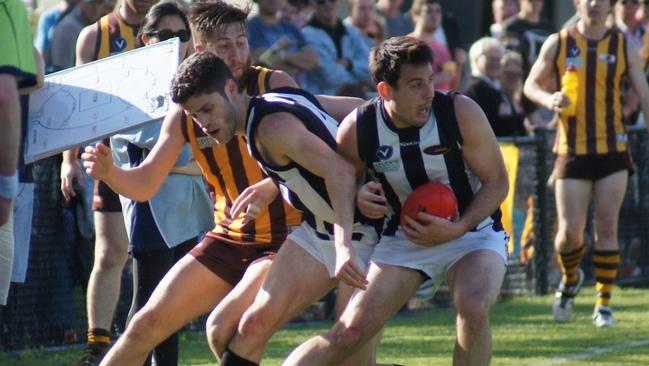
{"points": [[143, 326], [474, 310], [344, 337], [573, 236], [110, 258], [606, 229], [108, 261], [217, 337], [255, 323]]}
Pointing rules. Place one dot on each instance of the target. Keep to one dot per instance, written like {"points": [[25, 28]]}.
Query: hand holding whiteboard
{"points": [[91, 101]]}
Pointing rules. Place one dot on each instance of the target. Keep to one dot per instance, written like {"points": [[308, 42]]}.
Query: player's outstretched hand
{"points": [[347, 270], [98, 161], [70, 173], [429, 230], [254, 199], [370, 201]]}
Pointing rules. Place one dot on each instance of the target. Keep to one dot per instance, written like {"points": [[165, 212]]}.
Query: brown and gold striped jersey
{"points": [[229, 169], [601, 65], [114, 35]]}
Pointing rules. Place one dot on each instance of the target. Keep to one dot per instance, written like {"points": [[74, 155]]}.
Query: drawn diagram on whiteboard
{"points": [[99, 99]]}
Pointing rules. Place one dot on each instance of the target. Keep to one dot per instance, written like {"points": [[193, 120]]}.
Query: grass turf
{"points": [[523, 334]]}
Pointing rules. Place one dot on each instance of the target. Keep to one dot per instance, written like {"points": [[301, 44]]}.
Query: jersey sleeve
{"points": [[17, 56]]}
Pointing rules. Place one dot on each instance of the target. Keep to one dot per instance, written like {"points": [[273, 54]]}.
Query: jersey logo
{"points": [[436, 150], [386, 166], [206, 142], [384, 152], [120, 44], [609, 59], [408, 143], [574, 61], [573, 52]]}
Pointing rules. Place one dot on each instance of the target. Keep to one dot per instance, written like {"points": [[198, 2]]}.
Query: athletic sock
{"points": [[98, 340], [569, 262], [606, 264], [232, 359]]}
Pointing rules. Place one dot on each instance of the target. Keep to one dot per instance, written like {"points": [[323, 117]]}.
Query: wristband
{"points": [[9, 186]]}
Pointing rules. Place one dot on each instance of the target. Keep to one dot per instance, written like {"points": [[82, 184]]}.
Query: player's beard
{"points": [[243, 80]]}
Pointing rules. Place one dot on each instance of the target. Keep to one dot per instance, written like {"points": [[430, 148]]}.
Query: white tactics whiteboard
{"points": [[91, 101]]}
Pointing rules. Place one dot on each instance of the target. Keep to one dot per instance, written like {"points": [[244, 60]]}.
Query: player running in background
{"points": [[593, 160]]}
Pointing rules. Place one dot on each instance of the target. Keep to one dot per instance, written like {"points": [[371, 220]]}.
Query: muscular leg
{"points": [[572, 197], [148, 270], [188, 290], [222, 322], [475, 282], [295, 280], [368, 311], [608, 194], [111, 252], [366, 355]]}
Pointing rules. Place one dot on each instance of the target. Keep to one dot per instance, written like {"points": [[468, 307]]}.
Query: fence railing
{"points": [[49, 309], [535, 167]]}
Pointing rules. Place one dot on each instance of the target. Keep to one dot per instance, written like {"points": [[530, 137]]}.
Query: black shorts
{"points": [[230, 260], [105, 199], [592, 167]]}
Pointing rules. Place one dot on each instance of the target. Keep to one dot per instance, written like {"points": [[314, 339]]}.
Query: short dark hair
{"points": [[155, 14], [201, 73], [387, 59], [210, 16]]}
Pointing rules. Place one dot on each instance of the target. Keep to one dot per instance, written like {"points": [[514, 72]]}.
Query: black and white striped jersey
{"points": [[300, 187], [402, 159]]}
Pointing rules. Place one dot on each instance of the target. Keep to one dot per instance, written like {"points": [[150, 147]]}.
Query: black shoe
{"points": [[91, 357]]}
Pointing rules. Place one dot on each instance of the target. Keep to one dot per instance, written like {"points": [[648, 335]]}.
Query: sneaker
{"points": [[91, 357], [603, 317], [565, 297]]}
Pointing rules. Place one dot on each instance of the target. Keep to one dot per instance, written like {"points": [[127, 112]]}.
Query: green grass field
{"points": [[523, 332]]}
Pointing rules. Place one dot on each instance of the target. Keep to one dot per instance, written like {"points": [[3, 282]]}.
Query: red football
{"points": [[433, 198]]}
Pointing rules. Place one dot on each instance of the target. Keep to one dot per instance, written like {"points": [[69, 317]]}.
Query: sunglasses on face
{"points": [[322, 2], [165, 34]]}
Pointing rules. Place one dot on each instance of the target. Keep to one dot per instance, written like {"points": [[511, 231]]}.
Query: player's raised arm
{"points": [[282, 138], [142, 182]]}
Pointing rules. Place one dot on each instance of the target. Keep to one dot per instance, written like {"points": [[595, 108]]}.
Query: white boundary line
{"points": [[591, 352]]}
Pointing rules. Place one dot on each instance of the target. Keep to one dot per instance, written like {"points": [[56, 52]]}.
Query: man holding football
{"points": [[412, 135]]}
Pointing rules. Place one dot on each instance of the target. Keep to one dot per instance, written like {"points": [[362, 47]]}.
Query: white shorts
{"points": [[435, 261], [321, 246]]}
